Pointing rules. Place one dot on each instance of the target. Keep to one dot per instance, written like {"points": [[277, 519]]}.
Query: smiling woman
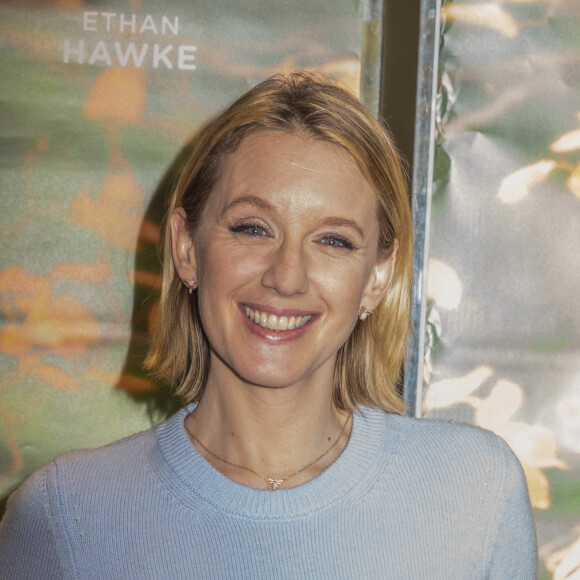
{"points": [[298, 129], [283, 326], [288, 240]]}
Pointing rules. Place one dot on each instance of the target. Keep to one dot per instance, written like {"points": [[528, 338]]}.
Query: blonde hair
{"points": [[369, 364]]}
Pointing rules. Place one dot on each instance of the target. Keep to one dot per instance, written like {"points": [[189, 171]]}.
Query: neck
{"points": [[271, 431]]}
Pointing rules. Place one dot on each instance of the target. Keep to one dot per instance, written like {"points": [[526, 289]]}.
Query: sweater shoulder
{"points": [[452, 446], [30, 546], [118, 465], [35, 489], [126, 449], [434, 432]]}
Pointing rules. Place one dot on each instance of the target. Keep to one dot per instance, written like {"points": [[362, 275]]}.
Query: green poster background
{"points": [[98, 100]]}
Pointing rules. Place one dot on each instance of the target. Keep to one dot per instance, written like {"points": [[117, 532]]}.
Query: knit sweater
{"points": [[407, 499]]}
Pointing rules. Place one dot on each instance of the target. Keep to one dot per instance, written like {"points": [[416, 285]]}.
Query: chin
{"points": [[278, 375], [271, 380]]}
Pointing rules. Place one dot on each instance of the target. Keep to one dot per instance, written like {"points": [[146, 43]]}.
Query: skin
{"points": [[290, 230]]}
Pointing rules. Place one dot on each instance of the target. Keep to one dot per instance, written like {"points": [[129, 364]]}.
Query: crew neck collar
{"points": [[373, 441]]}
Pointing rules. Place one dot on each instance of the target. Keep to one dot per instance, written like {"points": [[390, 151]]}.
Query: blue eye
{"points": [[335, 241], [253, 230]]}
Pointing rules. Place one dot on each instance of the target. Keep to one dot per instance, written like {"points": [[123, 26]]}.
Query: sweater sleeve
{"points": [[28, 548], [514, 553]]}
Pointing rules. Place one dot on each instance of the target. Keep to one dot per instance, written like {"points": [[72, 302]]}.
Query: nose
{"points": [[287, 270]]}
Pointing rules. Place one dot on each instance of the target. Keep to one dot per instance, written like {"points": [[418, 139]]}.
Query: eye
{"points": [[251, 229], [335, 241]]}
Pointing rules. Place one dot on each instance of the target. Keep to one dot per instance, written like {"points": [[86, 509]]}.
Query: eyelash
{"points": [[249, 228], [331, 240], [337, 242]]}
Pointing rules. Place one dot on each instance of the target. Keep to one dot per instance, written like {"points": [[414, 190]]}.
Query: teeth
{"points": [[277, 323]]}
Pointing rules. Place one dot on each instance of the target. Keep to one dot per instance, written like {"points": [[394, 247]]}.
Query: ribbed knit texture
{"points": [[407, 499]]}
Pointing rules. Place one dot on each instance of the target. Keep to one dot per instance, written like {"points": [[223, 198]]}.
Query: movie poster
{"points": [[98, 101]]}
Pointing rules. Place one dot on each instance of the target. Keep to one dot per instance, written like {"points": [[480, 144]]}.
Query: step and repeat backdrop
{"points": [[504, 271], [98, 99]]}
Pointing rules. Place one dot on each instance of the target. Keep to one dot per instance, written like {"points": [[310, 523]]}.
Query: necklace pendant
{"points": [[275, 483]]}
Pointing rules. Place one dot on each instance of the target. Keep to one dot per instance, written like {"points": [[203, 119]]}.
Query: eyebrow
{"points": [[344, 222], [250, 200]]}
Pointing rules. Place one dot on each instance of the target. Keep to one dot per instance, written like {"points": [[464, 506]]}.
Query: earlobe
{"points": [[182, 247]]}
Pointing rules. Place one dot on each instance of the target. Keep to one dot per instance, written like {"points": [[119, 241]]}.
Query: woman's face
{"points": [[285, 255]]}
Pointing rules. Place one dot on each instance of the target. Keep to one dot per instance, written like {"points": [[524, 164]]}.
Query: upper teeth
{"points": [[274, 322]]}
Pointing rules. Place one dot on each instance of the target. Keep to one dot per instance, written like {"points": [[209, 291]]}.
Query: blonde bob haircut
{"points": [[368, 365]]}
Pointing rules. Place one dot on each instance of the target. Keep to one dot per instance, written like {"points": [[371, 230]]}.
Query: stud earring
{"points": [[364, 313], [190, 285]]}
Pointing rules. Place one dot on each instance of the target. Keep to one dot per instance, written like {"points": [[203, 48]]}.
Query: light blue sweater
{"points": [[407, 499]]}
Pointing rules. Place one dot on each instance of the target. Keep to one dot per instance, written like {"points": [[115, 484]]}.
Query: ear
{"points": [[182, 246], [380, 280]]}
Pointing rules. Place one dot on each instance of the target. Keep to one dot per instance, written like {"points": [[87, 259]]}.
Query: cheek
{"points": [[342, 284], [222, 269]]}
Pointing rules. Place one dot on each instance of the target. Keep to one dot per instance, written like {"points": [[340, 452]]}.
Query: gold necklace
{"points": [[274, 483]]}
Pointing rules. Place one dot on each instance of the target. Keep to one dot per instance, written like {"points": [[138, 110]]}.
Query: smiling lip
{"points": [[279, 322]]}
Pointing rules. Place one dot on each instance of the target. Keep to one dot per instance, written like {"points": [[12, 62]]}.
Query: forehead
{"points": [[295, 170]]}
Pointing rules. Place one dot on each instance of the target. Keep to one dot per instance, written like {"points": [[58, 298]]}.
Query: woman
{"points": [[283, 325]]}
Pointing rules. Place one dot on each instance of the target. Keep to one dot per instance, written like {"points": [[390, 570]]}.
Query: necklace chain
{"points": [[274, 483]]}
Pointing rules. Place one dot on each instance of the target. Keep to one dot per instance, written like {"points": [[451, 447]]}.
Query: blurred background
{"points": [[99, 99]]}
